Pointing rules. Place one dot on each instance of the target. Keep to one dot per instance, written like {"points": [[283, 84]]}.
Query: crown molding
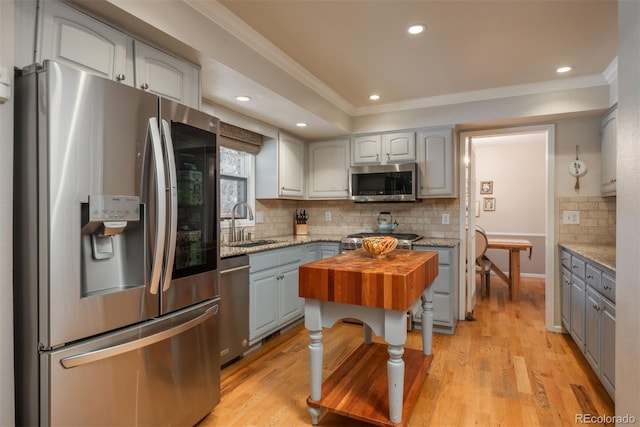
{"points": [[487, 94]]}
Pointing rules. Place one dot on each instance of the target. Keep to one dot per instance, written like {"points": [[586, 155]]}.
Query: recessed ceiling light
{"points": [[416, 29], [301, 125], [374, 97], [564, 69], [243, 98]]}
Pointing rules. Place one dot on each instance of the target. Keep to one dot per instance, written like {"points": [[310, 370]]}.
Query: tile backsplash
{"points": [[597, 220], [424, 218]]}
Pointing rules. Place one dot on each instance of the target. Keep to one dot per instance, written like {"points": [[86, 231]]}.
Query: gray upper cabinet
{"points": [[280, 164], [165, 75], [72, 37], [328, 169], [383, 149], [437, 164], [609, 152]]}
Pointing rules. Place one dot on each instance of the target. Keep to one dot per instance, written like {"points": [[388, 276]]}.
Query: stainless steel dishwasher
{"points": [[234, 307]]}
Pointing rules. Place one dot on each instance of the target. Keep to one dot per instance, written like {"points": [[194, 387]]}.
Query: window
{"points": [[236, 184]]}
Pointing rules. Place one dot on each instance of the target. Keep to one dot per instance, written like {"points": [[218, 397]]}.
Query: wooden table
{"points": [[514, 246], [379, 292]]}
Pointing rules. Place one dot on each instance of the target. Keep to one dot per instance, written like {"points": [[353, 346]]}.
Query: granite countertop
{"points": [[605, 255], [437, 242], [294, 240]]}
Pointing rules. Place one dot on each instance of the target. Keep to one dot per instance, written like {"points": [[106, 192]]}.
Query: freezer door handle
{"points": [[173, 213], [105, 353], [161, 224]]}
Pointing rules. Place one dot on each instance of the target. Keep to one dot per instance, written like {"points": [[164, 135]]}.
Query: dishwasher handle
{"points": [[232, 270]]}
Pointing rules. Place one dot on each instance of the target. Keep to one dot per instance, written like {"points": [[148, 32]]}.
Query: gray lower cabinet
{"points": [[445, 287], [273, 286], [273, 291], [589, 313]]}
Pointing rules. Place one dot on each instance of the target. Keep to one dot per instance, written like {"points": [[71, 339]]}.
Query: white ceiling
{"points": [[317, 61]]}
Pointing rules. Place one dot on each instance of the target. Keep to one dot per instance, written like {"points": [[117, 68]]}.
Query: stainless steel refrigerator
{"points": [[116, 287]]}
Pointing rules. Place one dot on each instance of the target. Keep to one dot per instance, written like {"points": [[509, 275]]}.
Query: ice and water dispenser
{"points": [[113, 241]]}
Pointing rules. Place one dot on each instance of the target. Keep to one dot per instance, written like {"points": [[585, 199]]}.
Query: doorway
{"points": [[504, 193]]}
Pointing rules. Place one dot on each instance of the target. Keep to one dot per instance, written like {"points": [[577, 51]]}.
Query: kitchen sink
{"points": [[252, 243]]}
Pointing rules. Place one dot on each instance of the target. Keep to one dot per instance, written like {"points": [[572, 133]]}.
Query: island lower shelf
{"points": [[351, 392]]}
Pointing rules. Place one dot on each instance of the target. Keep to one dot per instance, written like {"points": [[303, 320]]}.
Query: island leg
{"points": [[313, 323], [395, 334], [395, 376], [427, 320], [315, 369]]}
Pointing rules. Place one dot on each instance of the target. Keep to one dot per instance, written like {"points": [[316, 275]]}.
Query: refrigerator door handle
{"points": [[105, 353], [173, 213], [161, 215]]}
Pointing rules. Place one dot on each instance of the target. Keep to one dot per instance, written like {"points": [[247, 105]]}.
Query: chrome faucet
{"points": [[232, 237]]}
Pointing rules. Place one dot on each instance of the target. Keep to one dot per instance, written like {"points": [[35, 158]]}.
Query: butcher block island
{"points": [[378, 292]]}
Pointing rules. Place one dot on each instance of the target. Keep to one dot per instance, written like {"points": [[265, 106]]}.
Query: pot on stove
{"points": [[386, 224]]}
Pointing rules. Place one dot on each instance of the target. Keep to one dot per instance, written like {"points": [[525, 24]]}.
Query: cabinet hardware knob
{"points": [[120, 77], [144, 86], [589, 276]]}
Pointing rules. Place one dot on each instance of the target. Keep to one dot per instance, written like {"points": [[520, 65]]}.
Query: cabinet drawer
{"points": [[593, 277], [565, 257], [287, 256], [577, 267], [608, 287], [263, 260], [274, 258]]}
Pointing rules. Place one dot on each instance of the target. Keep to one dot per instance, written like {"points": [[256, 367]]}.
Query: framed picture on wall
{"points": [[489, 204], [486, 187]]}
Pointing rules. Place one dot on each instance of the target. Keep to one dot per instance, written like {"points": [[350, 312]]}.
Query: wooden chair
{"points": [[483, 264]]}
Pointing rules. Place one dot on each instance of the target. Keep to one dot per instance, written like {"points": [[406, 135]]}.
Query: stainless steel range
{"points": [[354, 241]]}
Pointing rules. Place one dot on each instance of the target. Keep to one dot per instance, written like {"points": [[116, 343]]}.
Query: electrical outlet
{"points": [[571, 217], [445, 218], [259, 217], [327, 216]]}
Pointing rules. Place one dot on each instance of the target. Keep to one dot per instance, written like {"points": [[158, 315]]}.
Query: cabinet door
{"points": [[329, 169], [366, 150], [608, 352], [436, 161], [578, 297], [166, 75], [263, 304], [291, 305], [566, 299], [609, 149], [592, 329], [291, 167], [73, 38], [399, 147]]}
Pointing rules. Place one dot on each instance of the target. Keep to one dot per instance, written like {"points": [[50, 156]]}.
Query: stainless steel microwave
{"points": [[384, 183]]}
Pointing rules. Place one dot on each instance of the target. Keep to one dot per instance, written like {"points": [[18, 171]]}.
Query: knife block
{"points": [[299, 229]]}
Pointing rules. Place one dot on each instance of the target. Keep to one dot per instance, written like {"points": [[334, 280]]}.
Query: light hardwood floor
{"points": [[503, 369]]}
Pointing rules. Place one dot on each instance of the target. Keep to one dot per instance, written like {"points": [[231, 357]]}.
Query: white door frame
{"points": [[550, 240]]}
